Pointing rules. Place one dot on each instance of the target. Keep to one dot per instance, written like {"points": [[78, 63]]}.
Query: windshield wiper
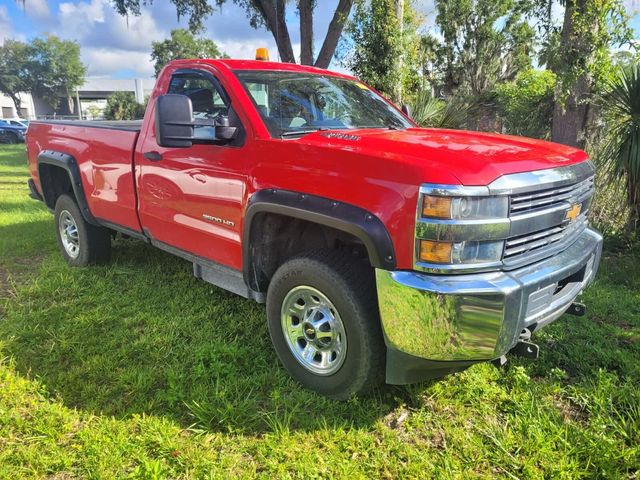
{"points": [[293, 133]]}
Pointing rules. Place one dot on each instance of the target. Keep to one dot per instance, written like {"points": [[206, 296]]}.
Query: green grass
{"points": [[136, 369]]}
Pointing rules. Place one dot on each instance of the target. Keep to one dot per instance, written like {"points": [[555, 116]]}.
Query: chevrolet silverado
{"points": [[383, 251]]}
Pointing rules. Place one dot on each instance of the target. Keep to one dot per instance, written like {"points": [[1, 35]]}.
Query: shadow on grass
{"points": [[141, 335]]}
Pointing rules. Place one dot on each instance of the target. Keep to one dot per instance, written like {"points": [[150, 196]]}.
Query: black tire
{"points": [[93, 243], [12, 138], [349, 285]]}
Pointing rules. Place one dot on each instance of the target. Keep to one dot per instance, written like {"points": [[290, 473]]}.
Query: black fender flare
{"points": [[70, 165], [324, 211]]}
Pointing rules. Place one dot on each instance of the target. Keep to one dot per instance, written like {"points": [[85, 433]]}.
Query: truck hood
{"points": [[474, 158]]}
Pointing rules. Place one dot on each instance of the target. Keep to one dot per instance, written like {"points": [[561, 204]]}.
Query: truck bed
{"points": [[103, 154]]}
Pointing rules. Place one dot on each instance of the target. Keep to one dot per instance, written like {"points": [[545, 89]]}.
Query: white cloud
{"points": [[106, 61], [38, 9], [96, 24]]}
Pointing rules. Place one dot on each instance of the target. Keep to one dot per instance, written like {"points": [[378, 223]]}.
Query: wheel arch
{"points": [[59, 173], [320, 211]]}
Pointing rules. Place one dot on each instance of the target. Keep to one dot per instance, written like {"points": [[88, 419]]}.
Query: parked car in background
{"points": [[12, 133], [16, 122]]}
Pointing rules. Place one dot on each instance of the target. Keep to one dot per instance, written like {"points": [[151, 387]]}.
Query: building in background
{"points": [[92, 97]]}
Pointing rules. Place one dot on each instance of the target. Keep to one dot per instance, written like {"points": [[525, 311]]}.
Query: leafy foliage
{"points": [[378, 40], [579, 55], [428, 111], [620, 154], [48, 67], [13, 77], [123, 106], [526, 104], [485, 42], [182, 44]]}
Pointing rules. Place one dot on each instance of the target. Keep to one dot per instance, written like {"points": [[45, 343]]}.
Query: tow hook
{"points": [[524, 348], [577, 309]]}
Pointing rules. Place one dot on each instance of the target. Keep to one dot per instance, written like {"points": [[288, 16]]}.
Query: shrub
{"points": [[123, 106], [526, 104], [619, 154]]}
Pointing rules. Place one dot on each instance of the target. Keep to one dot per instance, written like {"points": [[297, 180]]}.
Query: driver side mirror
{"points": [[175, 125], [406, 110]]}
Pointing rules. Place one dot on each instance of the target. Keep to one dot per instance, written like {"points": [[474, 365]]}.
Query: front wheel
{"points": [[324, 323]]}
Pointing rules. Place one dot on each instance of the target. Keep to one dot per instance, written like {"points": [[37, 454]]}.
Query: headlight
{"points": [[464, 208], [460, 228], [456, 253]]}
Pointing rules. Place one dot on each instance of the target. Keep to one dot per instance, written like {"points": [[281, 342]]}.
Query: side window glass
{"points": [[207, 101]]}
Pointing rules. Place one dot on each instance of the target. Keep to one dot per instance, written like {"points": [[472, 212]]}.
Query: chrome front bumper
{"points": [[468, 318]]}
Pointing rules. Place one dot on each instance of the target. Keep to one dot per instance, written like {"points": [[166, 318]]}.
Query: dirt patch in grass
{"points": [[16, 273]]}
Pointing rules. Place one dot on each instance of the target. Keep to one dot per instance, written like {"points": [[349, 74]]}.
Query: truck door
{"points": [[191, 198]]}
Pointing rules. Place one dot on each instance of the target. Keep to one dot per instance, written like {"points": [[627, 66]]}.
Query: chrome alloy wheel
{"points": [[313, 330], [69, 234]]}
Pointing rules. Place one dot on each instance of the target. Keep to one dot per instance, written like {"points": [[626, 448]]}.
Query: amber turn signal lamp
{"points": [[436, 207], [262, 54], [435, 252]]}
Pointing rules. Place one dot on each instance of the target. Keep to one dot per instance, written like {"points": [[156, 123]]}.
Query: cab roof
{"points": [[237, 64]]}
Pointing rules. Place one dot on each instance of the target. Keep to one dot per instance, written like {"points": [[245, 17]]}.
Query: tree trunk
{"points": [[570, 113], [397, 89], [273, 13], [569, 118], [333, 33], [305, 7]]}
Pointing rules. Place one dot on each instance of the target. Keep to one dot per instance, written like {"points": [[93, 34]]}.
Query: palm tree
{"points": [[620, 153], [428, 111]]}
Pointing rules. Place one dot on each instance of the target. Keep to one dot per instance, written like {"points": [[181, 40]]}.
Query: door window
{"points": [[206, 97]]}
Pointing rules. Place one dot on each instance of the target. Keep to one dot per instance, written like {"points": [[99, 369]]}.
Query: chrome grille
{"points": [[550, 197], [522, 246]]}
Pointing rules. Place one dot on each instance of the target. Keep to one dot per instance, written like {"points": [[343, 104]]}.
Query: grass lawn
{"points": [[136, 369]]}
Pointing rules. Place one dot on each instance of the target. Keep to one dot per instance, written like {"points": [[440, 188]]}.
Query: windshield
{"points": [[293, 102]]}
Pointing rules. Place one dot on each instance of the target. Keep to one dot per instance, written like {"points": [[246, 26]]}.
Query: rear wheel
{"points": [[324, 323], [80, 242]]}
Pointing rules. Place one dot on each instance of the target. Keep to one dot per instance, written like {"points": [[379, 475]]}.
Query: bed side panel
{"points": [[104, 158]]}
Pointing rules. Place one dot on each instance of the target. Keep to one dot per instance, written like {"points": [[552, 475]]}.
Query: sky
{"points": [[116, 47]]}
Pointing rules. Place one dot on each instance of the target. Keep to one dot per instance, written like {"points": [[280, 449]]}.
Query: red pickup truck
{"points": [[383, 251]]}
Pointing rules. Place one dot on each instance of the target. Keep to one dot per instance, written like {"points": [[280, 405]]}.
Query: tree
{"points": [[49, 68], [182, 44], [382, 48], [13, 75], [264, 13], [578, 54], [123, 106], [54, 69], [526, 104], [484, 42], [620, 153]]}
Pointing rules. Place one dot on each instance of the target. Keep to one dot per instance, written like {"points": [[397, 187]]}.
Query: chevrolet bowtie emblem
{"points": [[573, 212]]}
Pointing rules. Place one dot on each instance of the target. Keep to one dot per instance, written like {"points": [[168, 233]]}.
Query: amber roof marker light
{"points": [[262, 54]]}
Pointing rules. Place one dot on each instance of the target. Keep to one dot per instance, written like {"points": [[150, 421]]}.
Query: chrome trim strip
{"points": [[453, 190], [461, 230], [553, 177], [457, 267], [477, 317]]}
